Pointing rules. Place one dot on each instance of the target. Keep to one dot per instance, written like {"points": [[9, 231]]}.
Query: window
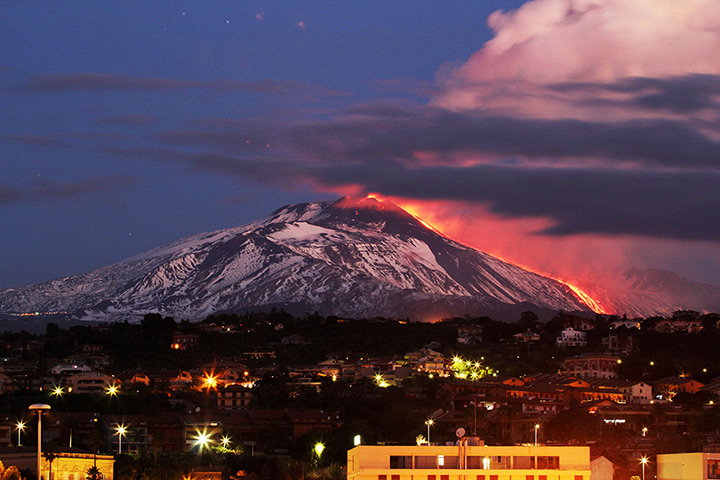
{"points": [[400, 461], [394, 477], [480, 477], [382, 477], [498, 462], [548, 463], [493, 477], [425, 461], [542, 477], [529, 477], [522, 462], [449, 461], [431, 477], [578, 477], [444, 477]]}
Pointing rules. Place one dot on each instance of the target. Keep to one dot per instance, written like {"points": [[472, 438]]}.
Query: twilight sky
{"points": [[574, 137]]}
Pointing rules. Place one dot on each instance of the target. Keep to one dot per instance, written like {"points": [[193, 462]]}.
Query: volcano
{"points": [[353, 257]]}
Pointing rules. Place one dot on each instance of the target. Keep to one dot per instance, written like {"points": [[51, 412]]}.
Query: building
{"points": [[470, 334], [601, 469], [618, 343], [634, 391], [468, 462], [668, 387], [235, 397], [688, 466], [592, 365], [571, 338], [184, 341], [90, 382], [69, 464], [528, 336]]}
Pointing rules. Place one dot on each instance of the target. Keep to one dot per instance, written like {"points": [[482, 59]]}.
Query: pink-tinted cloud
{"points": [[548, 42]]}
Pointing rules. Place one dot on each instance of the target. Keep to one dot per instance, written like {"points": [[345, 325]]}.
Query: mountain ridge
{"points": [[352, 257]]}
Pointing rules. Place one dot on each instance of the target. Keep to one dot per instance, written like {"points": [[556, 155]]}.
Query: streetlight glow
{"points": [[429, 422], [120, 430], [225, 441], [57, 391], [537, 427], [210, 381], [202, 440], [643, 461], [112, 390], [20, 427]]}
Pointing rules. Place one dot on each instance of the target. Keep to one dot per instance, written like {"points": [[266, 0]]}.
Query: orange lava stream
{"points": [[582, 296]]}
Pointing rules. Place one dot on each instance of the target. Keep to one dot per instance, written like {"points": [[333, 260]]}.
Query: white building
{"points": [[571, 338], [468, 462]]}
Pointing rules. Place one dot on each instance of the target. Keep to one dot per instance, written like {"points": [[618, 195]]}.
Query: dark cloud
{"points": [[681, 94], [108, 82], [9, 195], [652, 177], [383, 108], [605, 201], [40, 191], [100, 81], [36, 140], [656, 142]]}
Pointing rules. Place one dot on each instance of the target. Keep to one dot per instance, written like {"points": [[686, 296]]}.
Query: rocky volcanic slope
{"points": [[355, 258]]}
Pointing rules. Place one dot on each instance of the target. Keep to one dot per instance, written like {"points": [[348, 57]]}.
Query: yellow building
{"points": [[463, 462], [69, 464], [688, 466]]}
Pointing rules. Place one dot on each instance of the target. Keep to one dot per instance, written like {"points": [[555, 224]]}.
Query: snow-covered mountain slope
{"points": [[644, 293], [352, 257]]}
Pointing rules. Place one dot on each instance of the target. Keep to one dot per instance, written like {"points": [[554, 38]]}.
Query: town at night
{"points": [[368, 240]]}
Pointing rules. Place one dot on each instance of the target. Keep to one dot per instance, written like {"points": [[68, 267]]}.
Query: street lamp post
{"points": [[644, 461], [39, 408], [20, 428], [429, 422], [537, 427], [121, 430]]}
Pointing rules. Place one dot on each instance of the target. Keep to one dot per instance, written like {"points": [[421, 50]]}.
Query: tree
{"points": [[9, 473], [49, 455], [93, 473]]}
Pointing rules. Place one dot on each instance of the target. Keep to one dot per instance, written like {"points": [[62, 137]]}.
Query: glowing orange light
{"points": [[415, 210]]}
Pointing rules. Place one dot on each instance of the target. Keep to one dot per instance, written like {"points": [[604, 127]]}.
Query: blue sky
{"points": [[126, 125]]}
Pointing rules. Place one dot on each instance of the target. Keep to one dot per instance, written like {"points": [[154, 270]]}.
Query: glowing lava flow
{"points": [[584, 297], [579, 293]]}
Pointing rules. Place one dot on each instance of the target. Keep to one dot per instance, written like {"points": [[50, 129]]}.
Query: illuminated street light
{"points": [[120, 430], [57, 391], [20, 427], [202, 440], [210, 381], [429, 422], [537, 427], [319, 448], [225, 442], [39, 408], [112, 390], [644, 431], [644, 461]]}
